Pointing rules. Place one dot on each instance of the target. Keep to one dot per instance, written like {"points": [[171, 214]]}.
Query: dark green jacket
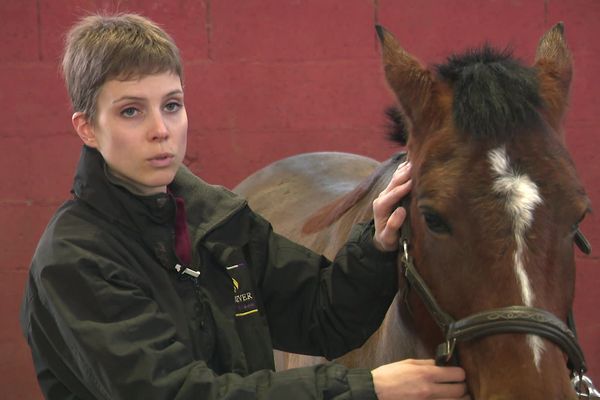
{"points": [[108, 316]]}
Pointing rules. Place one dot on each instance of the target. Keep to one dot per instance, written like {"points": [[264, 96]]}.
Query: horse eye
{"points": [[435, 223]]}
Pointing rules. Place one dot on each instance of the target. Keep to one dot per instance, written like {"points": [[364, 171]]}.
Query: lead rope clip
{"points": [[584, 388]]}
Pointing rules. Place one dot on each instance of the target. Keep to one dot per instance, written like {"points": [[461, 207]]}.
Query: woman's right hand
{"points": [[419, 380]]}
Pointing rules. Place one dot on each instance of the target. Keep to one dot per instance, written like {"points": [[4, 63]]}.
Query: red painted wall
{"points": [[265, 79]]}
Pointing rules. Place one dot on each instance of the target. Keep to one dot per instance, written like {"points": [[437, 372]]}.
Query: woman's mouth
{"points": [[161, 160]]}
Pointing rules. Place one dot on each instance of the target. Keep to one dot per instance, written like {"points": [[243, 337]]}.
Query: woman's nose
{"points": [[158, 128]]}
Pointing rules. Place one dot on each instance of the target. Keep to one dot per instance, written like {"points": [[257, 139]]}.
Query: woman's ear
{"points": [[84, 129]]}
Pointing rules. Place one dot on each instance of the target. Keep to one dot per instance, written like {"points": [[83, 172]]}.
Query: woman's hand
{"points": [[419, 380], [386, 213]]}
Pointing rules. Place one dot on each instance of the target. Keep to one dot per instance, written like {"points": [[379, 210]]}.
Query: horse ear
{"points": [[411, 83], [554, 68]]}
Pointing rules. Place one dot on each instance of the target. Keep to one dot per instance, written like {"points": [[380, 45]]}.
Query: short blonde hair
{"points": [[123, 46]]}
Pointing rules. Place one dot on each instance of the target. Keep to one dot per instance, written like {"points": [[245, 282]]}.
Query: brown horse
{"points": [[493, 213]]}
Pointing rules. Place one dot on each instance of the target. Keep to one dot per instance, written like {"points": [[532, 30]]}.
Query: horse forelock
{"points": [[494, 95]]}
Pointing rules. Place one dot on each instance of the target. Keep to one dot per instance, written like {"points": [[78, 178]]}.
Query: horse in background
{"points": [[487, 268]]}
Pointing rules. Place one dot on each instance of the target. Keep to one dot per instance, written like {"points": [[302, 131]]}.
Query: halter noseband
{"points": [[512, 319]]}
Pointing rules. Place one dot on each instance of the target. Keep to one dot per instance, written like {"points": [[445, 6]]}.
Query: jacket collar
{"points": [[207, 206]]}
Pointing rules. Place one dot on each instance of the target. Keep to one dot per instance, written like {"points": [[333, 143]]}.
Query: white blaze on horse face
{"points": [[522, 196]]}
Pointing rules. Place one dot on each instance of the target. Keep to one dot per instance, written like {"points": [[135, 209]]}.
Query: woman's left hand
{"points": [[386, 213]]}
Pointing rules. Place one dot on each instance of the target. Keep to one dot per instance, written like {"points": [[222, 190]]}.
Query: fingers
{"points": [[449, 383], [387, 215], [449, 391], [418, 361], [389, 198], [449, 374], [401, 175], [398, 187], [419, 380], [395, 221], [440, 374]]}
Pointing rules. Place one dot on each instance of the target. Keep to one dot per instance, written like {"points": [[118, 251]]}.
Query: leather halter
{"points": [[512, 319]]}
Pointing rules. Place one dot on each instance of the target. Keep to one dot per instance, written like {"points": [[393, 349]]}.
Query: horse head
{"points": [[494, 209]]}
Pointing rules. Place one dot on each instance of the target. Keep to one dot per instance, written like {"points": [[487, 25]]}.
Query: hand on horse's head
{"points": [[387, 215]]}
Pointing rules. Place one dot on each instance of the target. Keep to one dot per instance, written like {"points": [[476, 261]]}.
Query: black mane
{"points": [[494, 94]]}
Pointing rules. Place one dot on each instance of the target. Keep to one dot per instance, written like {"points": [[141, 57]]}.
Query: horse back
{"points": [[288, 192]]}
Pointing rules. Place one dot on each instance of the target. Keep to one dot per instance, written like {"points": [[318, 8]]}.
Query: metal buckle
{"points": [[444, 352], [584, 388]]}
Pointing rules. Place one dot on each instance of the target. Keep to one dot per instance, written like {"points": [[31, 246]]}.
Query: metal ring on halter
{"points": [[584, 387]]}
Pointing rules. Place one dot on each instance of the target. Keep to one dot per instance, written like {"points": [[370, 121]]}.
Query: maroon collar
{"points": [[183, 246]]}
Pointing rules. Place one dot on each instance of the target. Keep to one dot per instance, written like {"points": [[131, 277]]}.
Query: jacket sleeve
{"points": [[319, 307], [110, 340]]}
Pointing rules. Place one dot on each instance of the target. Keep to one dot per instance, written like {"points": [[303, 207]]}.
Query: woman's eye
{"points": [[435, 223], [172, 106], [129, 112]]}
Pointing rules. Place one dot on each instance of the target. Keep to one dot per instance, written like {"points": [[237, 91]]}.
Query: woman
{"points": [[152, 284]]}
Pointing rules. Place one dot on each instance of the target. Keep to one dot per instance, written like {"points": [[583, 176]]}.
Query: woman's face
{"points": [[141, 130]]}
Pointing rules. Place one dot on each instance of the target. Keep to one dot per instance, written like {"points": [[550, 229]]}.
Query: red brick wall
{"points": [[265, 79]]}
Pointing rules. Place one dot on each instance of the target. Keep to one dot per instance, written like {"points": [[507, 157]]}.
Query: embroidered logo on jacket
{"points": [[245, 303]]}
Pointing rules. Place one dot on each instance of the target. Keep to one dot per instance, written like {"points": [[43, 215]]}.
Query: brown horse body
{"points": [[494, 209]]}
